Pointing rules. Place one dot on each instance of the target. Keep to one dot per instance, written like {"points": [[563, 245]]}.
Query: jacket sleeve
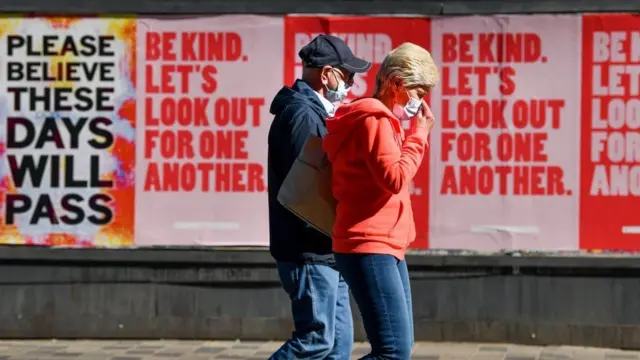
{"points": [[303, 124], [392, 165]]}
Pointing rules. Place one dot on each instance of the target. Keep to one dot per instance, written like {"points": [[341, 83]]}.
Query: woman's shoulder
{"points": [[368, 107]]}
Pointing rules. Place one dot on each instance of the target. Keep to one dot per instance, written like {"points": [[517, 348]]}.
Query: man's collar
{"points": [[328, 106]]}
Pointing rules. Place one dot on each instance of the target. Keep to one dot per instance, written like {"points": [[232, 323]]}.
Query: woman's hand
{"points": [[424, 117]]}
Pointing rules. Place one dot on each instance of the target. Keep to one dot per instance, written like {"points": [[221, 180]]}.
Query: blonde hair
{"points": [[411, 63]]}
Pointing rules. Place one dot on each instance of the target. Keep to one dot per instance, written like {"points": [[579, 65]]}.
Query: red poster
{"points": [[610, 151], [370, 38]]}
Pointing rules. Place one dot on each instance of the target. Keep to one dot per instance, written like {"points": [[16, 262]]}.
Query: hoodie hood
{"points": [[299, 93], [341, 127]]}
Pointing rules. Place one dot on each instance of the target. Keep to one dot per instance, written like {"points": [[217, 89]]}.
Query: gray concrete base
{"points": [[230, 294]]}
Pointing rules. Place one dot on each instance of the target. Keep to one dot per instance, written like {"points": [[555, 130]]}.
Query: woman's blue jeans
{"points": [[380, 287]]}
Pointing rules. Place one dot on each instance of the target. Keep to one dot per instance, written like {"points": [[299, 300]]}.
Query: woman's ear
{"points": [[397, 83]]}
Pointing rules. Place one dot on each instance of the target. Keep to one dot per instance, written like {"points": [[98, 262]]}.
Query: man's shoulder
{"points": [[297, 109]]}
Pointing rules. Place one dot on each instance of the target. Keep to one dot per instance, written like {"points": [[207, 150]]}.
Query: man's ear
{"points": [[324, 74]]}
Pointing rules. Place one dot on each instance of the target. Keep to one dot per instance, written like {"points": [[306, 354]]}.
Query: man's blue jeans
{"points": [[380, 286], [321, 313]]}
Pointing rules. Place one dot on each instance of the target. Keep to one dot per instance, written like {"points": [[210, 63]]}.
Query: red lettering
{"points": [[150, 137], [556, 106], [449, 53], [464, 85], [176, 144], [509, 47], [187, 46], [210, 46], [447, 138], [537, 174], [234, 111], [482, 114], [168, 73], [159, 46], [224, 144], [206, 171], [517, 180], [503, 172], [507, 84], [256, 178], [152, 48], [457, 47], [466, 54], [535, 113], [152, 178], [225, 177], [447, 123], [209, 83], [555, 181], [527, 147], [185, 111], [449, 183]]}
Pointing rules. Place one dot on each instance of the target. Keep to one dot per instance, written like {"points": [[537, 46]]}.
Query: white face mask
{"points": [[409, 110], [339, 93]]}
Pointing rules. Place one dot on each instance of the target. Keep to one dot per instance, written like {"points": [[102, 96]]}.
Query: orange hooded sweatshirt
{"points": [[373, 165]]}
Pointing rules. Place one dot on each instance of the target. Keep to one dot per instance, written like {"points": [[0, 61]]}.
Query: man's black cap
{"points": [[329, 50]]}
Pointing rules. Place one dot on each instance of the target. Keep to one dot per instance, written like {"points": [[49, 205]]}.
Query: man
{"points": [[306, 265]]}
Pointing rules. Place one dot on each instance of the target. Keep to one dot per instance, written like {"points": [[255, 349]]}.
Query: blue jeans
{"points": [[380, 286], [321, 313]]}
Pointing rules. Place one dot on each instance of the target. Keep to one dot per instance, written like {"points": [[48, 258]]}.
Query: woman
{"points": [[374, 161]]}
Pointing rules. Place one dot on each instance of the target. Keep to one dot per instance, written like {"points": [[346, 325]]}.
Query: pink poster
{"points": [[204, 93], [505, 148]]}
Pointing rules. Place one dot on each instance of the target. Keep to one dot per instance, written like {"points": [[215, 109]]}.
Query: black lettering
{"points": [[48, 46], [44, 209], [94, 176], [33, 70], [106, 71], [103, 99], [14, 42], [54, 45], [27, 165], [74, 130], [55, 171], [99, 128], [17, 96], [49, 133], [89, 45], [85, 102], [100, 204], [15, 204], [69, 180], [69, 46], [12, 132], [105, 45], [59, 99], [69, 203], [15, 71]]}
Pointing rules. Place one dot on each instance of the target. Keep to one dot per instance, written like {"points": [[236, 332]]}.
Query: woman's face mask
{"points": [[409, 110], [339, 93]]}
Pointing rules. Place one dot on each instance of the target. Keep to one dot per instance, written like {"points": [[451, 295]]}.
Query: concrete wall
{"points": [[229, 294], [426, 7]]}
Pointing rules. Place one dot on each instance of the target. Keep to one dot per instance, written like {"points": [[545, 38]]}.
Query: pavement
{"points": [[236, 350]]}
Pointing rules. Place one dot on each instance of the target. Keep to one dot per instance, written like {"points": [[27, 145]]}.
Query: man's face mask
{"points": [[409, 110], [339, 93]]}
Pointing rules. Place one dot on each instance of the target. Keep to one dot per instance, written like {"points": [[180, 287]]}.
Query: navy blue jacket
{"points": [[298, 114]]}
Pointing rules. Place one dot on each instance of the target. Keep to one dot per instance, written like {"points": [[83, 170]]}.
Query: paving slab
{"points": [[253, 350]]}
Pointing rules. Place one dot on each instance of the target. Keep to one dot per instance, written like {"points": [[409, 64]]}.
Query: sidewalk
{"points": [[221, 350]]}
